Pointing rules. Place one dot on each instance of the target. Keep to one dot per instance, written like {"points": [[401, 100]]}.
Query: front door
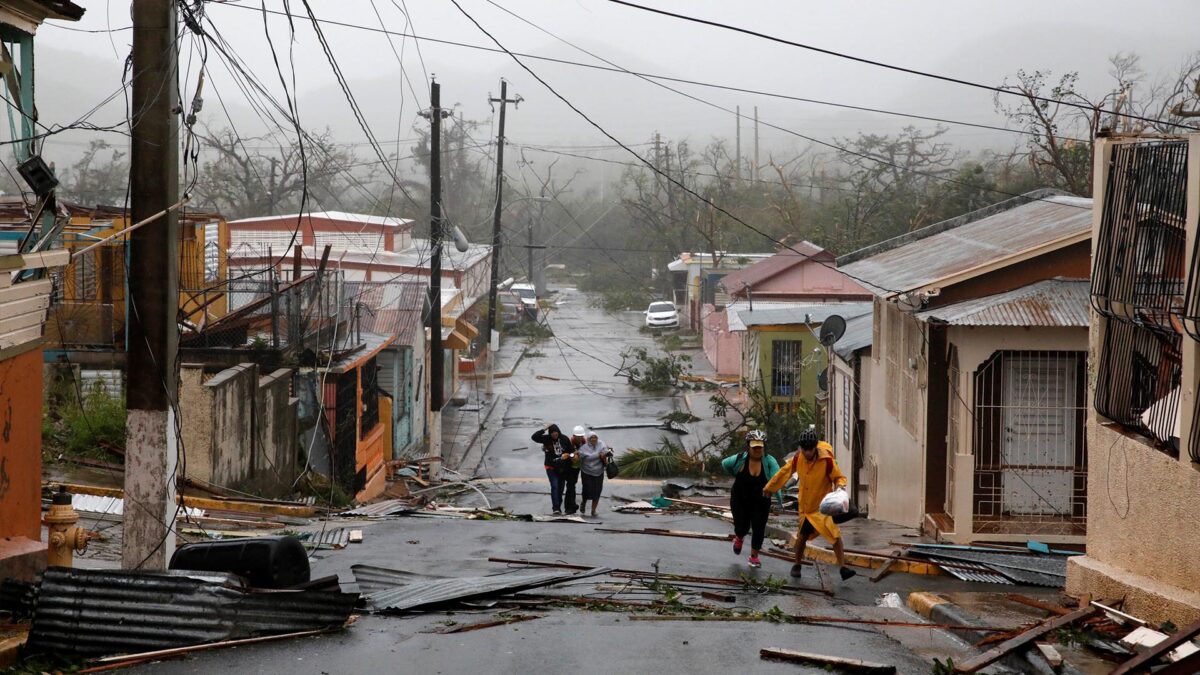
{"points": [[1038, 454]]}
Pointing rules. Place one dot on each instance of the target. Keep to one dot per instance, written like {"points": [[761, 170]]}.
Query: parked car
{"points": [[528, 295], [662, 314], [512, 309]]}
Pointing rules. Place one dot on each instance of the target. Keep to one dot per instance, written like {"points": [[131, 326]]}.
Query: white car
{"points": [[662, 314], [528, 294]]}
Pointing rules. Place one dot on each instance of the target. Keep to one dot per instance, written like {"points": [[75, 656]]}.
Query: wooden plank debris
{"points": [[886, 568], [126, 660], [502, 621], [1159, 650], [834, 662], [1038, 604], [1023, 640], [1050, 654], [719, 597]]}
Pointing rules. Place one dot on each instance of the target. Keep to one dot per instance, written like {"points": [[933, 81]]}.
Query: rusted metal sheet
{"points": [[1051, 303], [101, 612], [922, 257], [425, 595]]}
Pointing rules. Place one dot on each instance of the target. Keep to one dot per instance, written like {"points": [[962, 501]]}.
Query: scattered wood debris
{"points": [[834, 662]]}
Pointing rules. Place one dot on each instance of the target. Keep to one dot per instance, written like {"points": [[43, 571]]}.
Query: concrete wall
{"points": [[276, 430], [895, 458], [722, 348], [1142, 503], [239, 430]]}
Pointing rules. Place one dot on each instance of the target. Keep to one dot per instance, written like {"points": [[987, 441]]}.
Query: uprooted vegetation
{"points": [[654, 373], [667, 460]]}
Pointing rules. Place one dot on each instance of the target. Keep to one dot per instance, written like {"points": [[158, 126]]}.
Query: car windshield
{"points": [[661, 307], [527, 293]]}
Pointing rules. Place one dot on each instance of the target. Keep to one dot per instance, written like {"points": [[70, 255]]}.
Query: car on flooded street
{"points": [[662, 314]]}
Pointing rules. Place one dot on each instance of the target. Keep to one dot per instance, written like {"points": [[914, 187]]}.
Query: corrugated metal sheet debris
{"points": [[1051, 303], [101, 612], [113, 506], [970, 572], [371, 579], [444, 591], [335, 537], [389, 507], [1033, 570]]}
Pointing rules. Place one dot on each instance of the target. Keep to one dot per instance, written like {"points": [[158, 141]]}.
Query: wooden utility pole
{"points": [[435, 114], [151, 442], [493, 336]]}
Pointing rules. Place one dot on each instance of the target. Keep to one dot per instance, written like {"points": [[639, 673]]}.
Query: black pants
{"points": [[592, 487], [569, 478], [750, 513]]}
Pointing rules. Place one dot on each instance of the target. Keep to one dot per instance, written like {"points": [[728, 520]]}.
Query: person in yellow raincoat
{"points": [[818, 475]]}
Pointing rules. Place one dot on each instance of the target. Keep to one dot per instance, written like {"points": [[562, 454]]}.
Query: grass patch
{"points": [[83, 428]]}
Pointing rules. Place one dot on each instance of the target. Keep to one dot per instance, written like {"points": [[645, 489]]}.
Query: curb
{"points": [[940, 610], [825, 555]]}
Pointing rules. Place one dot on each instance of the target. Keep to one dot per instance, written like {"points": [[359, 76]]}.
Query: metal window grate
{"points": [[1137, 381], [1140, 248], [1030, 443], [787, 363]]}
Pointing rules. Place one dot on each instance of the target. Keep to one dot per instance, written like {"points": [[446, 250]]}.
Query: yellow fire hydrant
{"points": [[65, 536]]}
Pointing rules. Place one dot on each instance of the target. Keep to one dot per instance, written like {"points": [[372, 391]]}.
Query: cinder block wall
{"points": [[276, 434]]}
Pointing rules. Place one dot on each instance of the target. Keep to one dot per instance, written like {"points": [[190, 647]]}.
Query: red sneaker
{"points": [[754, 561], [737, 545]]}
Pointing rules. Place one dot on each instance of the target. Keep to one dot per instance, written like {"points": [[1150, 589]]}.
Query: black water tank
{"points": [[265, 562]]}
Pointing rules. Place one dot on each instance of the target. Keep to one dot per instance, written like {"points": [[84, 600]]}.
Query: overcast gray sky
{"points": [[981, 41]]}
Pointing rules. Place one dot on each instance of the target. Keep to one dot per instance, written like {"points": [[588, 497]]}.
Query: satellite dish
{"points": [[823, 380], [832, 329]]}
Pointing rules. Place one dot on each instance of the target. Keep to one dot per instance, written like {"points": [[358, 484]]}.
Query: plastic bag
{"points": [[835, 503]]}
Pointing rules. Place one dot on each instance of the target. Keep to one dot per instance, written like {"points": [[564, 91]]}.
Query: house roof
{"points": [[859, 334], [803, 314], [687, 260], [737, 305], [1050, 303], [769, 267], [394, 308], [1014, 230], [340, 216]]}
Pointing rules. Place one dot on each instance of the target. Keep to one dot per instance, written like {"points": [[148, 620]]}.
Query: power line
{"points": [[667, 78], [889, 66]]}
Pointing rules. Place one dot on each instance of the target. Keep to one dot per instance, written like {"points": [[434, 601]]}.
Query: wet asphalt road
{"points": [[569, 640], [581, 358]]}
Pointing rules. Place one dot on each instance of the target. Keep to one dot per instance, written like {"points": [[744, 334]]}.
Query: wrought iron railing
{"points": [[1140, 249]]}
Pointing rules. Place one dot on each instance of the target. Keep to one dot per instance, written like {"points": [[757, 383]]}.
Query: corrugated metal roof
{"points": [[922, 257], [1050, 303], [443, 591], [336, 537], [799, 314], [970, 572], [114, 506], [859, 334], [388, 507], [101, 612], [372, 579]]}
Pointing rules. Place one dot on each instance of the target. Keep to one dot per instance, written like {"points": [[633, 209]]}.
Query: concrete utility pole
{"points": [[755, 173], [738, 145], [493, 336], [435, 114], [151, 443]]}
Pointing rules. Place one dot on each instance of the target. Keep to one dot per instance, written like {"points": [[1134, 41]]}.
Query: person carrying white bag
{"points": [[820, 479]]}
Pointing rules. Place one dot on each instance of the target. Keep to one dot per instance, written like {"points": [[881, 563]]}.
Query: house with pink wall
{"points": [[803, 274]]}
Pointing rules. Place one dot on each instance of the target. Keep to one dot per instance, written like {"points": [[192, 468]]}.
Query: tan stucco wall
{"points": [[975, 346], [895, 459]]}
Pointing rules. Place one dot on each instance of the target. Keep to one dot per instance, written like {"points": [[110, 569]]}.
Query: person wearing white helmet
{"points": [[751, 469], [570, 469]]}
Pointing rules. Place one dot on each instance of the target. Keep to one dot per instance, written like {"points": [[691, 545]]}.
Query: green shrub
{"points": [[85, 428]]}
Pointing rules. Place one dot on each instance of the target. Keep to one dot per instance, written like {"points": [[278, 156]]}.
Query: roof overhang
{"points": [[27, 15], [935, 287]]}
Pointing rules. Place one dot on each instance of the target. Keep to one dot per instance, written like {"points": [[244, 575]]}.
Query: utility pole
{"points": [[539, 276], [151, 442], [755, 174], [493, 336], [435, 114], [738, 145], [529, 248]]}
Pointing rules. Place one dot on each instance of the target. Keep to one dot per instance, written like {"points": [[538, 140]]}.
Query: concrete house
{"points": [[971, 403], [803, 276], [695, 281], [1144, 422]]}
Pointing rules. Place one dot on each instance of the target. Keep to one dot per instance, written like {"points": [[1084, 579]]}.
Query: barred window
{"points": [[787, 361], [1137, 381]]}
